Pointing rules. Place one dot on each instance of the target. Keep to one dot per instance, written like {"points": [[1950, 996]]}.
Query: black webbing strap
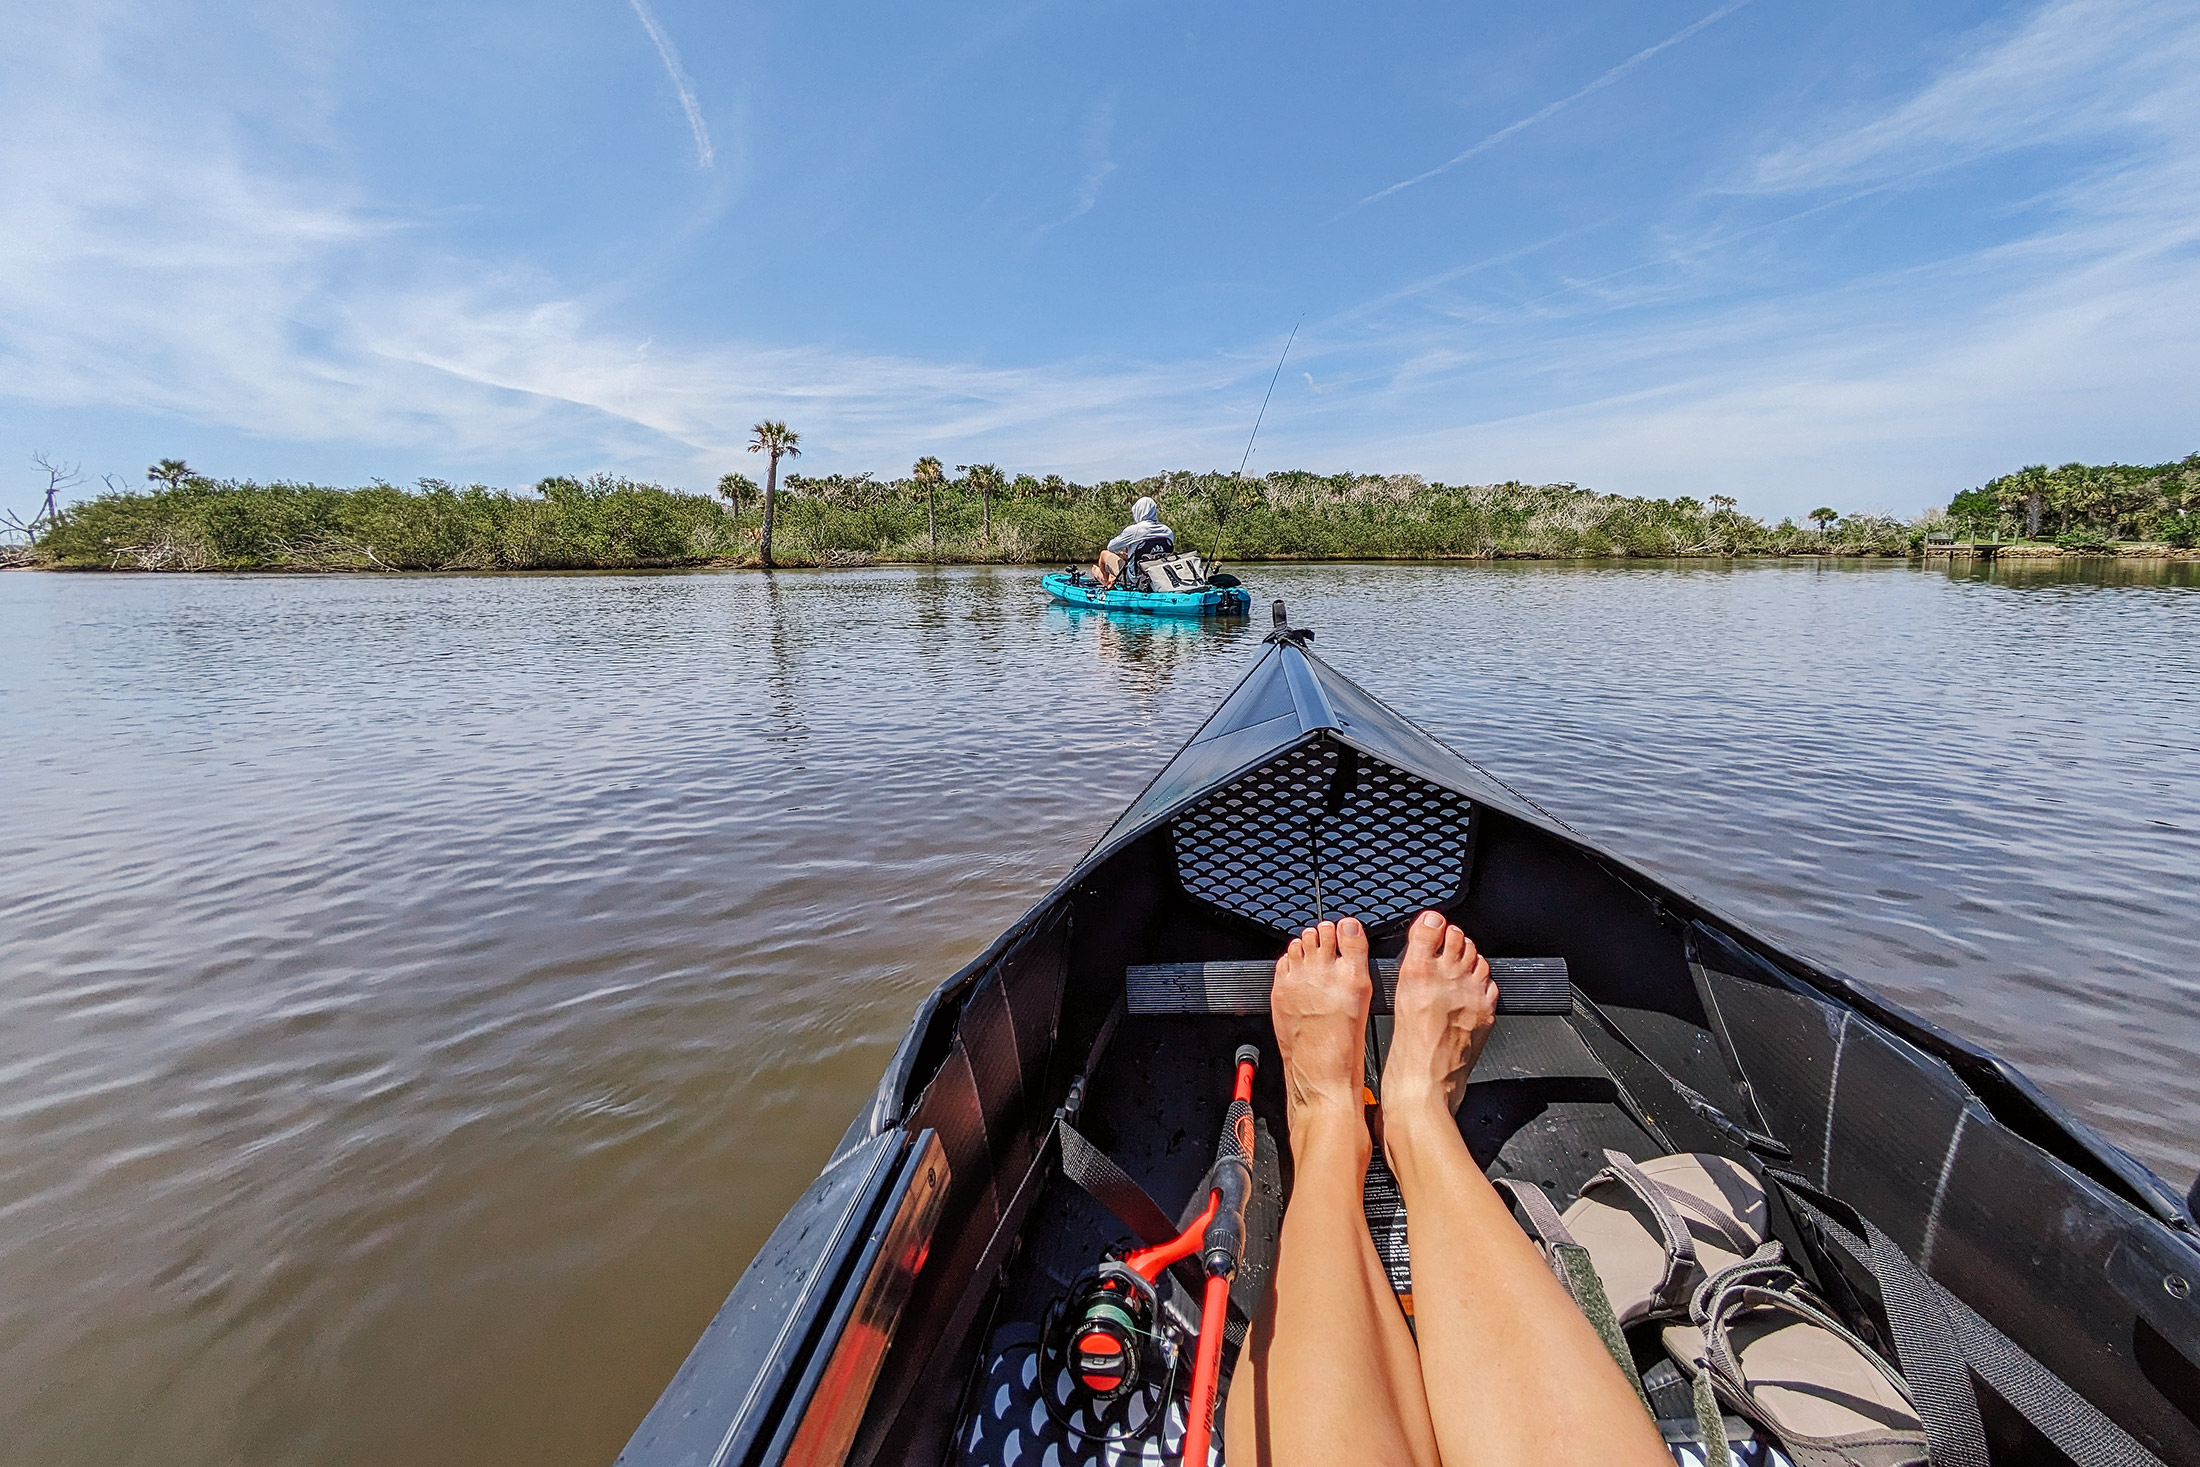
{"points": [[1113, 1188], [1925, 1345], [1936, 1335]]}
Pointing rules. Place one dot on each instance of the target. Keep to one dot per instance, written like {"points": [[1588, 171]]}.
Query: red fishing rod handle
{"points": [[1236, 1145], [1148, 1262], [1223, 1248]]}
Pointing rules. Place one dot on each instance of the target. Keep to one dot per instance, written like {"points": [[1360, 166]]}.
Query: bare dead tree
{"points": [[58, 478]]}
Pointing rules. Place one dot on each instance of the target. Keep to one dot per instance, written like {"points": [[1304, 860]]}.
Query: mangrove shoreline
{"points": [[610, 523]]}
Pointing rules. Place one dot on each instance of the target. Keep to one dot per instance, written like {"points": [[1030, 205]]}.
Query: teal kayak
{"points": [[1214, 601]]}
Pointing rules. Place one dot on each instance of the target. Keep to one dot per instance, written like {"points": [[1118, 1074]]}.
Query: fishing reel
{"points": [[1103, 1332]]}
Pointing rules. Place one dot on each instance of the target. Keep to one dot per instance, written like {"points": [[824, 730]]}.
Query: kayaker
{"points": [[1144, 535], [1506, 1369]]}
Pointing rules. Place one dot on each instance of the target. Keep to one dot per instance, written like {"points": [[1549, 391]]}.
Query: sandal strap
{"points": [[1680, 1249], [1543, 1222], [1764, 1281], [1577, 1272], [1737, 1238]]}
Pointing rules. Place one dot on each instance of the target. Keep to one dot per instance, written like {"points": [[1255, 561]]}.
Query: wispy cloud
{"points": [[1513, 128], [146, 266], [2073, 69], [2053, 338], [1093, 143], [705, 155]]}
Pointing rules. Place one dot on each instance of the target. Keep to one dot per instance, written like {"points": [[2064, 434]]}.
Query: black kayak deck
{"points": [[1541, 1108]]}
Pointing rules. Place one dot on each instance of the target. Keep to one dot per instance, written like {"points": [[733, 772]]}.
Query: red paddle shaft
{"points": [[1223, 1240]]}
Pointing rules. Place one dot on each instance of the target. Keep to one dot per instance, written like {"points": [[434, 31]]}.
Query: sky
{"points": [[1864, 253]]}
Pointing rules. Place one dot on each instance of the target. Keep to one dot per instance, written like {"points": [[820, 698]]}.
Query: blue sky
{"points": [[1859, 253]]}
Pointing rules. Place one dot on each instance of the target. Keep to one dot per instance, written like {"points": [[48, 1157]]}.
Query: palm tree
{"points": [[736, 490], [926, 471], [2033, 480], [780, 441], [985, 478], [1824, 517], [170, 471]]}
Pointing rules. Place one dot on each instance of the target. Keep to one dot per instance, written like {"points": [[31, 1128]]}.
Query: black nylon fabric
{"points": [[1925, 1318], [2063, 1416], [1109, 1185], [1925, 1345]]}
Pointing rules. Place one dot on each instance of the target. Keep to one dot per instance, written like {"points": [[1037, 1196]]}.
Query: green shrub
{"points": [[605, 521], [204, 525]]}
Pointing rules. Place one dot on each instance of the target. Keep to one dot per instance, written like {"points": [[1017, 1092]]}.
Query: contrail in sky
{"points": [[705, 155], [1560, 105]]}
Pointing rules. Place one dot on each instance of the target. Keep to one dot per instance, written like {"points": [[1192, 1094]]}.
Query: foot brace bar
{"points": [[1524, 986]]}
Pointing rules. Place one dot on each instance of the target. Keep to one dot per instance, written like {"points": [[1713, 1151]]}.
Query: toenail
{"points": [[1432, 919]]}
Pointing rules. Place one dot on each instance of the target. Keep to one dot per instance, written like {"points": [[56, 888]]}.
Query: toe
{"points": [[1352, 938], [1426, 937], [1457, 947], [1328, 938]]}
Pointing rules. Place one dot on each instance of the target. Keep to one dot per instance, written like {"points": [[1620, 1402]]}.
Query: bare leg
{"points": [[1513, 1372], [1328, 1373], [1107, 568]]}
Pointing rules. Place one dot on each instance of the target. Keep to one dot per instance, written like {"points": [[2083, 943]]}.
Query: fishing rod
{"points": [[1273, 377], [1105, 1329]]}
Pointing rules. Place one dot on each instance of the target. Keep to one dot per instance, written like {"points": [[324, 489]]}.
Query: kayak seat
{"points": [[1134, 559]]}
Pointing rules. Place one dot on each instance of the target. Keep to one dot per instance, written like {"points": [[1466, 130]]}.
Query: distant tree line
{"points": [[184, 520], [976, 512], [197, 523]]}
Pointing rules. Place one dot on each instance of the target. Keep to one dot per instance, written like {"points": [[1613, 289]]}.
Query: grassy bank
{"points": [[610, 522]]}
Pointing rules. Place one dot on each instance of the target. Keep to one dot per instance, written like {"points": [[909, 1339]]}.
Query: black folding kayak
{"points": [[1056, 1105]]}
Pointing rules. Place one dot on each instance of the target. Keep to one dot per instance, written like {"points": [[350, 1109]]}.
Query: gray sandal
{"points": [[1758, 1342], [1655, 1228], [1642, 1236]]}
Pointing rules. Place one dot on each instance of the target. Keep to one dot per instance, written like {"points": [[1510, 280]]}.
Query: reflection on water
{"points": [[422, 994], [2077, 570]]}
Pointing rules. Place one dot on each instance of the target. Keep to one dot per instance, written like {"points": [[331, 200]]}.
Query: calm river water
{"points": [[421, 995]]}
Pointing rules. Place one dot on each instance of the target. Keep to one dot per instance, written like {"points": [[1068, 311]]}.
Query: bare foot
{"points": [[1319, 1005], [1446, 1006]]}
